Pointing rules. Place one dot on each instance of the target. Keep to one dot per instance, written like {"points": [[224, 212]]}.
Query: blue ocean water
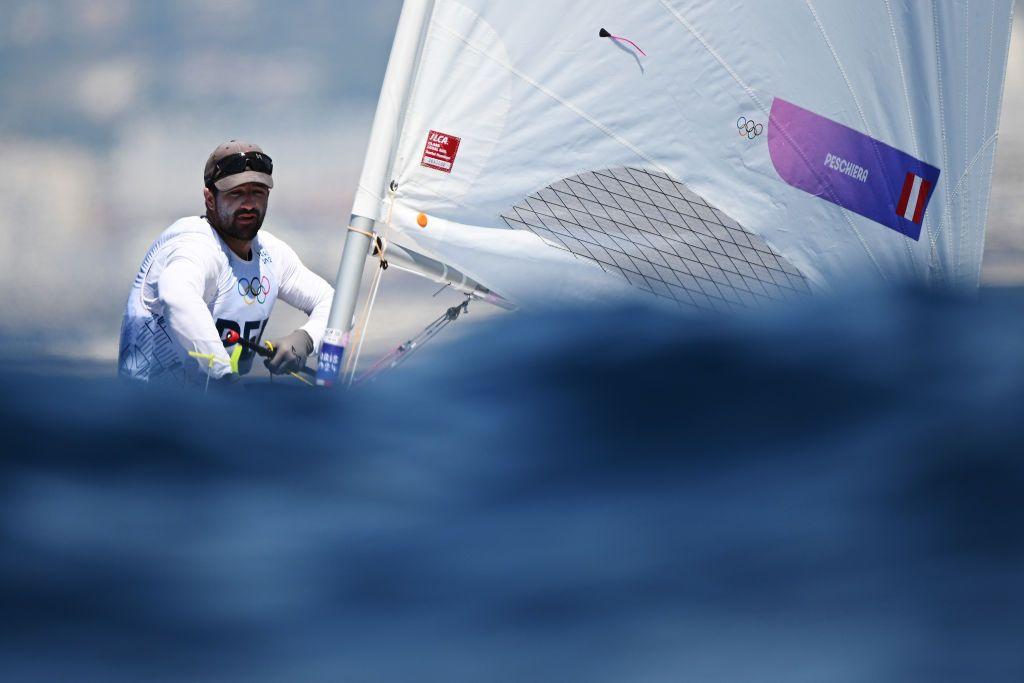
{"points": [[829, 492]]}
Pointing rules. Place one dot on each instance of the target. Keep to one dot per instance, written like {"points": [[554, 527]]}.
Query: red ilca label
{"points": [[440, 151]]}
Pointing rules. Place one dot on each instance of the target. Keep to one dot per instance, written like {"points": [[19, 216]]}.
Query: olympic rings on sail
{"points": [[254, 290], [748, 128]]}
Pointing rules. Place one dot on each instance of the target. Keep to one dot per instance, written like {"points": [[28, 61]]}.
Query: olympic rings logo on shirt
{"points": [[254, 290], [748, 128]]}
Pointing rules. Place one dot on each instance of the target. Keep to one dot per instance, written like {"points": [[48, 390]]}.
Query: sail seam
{"points": [[753, 96], [903, 78], [714, 53], [965, 177], [999, 115], [947, 209], [988, 66], [977, 157], [910, 117], [857, 103], [565, 103], [839, 65], [980, 244], [964, 201]]}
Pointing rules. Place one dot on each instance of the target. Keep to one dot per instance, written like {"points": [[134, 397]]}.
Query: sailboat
{"points": [[717, 156]]}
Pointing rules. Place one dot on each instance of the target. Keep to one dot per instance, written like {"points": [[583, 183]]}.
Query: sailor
{"points": [[208, 276]]}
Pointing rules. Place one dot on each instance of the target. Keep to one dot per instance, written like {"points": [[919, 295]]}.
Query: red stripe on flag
{"points": [[908, 185], [922, 199]]}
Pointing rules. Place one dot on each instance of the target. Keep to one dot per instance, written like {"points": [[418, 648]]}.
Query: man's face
{"points": [[239, 212]]}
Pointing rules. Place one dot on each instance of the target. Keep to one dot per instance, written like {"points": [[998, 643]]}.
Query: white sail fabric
{"points": [[702, 147]]}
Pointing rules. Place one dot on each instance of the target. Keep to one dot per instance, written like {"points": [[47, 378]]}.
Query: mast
{"points": [[377, 169]]}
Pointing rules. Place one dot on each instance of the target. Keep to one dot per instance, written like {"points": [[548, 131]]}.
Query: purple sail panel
{"points": [[850, 169]]}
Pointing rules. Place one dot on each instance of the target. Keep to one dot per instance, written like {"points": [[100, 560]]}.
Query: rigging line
{"points": [[402, 352], [860, 108], [357, 329], [753, 96], [371, 300], [398, 356], [565, 103], [352, 364]]}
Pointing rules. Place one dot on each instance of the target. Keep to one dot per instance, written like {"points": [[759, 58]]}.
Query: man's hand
{"points": [[289, 352], [228, 384]]}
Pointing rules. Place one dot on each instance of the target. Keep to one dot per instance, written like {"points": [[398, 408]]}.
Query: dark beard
{"points": [[232, 229]]}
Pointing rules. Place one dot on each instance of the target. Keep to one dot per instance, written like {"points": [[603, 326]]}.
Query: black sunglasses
{"points": [[239, 163]]}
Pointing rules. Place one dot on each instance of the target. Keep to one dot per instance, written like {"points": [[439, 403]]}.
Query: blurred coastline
{"points": [[109, 109]]}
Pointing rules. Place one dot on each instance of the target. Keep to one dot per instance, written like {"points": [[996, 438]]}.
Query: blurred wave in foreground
{"points": [[834, 492]]}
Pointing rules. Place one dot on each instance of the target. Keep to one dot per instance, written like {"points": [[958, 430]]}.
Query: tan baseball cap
{"points": [[229, 148]]}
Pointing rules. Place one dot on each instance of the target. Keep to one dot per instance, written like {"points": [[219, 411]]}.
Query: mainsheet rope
{"points": [[403, 351], [380, 244]]}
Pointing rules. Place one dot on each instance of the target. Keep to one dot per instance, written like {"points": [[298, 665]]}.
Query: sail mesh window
{"points": [[661, 237]]}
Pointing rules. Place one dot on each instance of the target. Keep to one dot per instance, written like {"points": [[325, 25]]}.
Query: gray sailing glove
{"points": [[289, 352]]}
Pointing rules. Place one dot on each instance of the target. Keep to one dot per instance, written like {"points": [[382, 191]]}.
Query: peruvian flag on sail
{"points": [[913, 198]]}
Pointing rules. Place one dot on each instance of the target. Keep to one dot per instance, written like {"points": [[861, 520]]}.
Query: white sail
{"points": [[714, 154]]}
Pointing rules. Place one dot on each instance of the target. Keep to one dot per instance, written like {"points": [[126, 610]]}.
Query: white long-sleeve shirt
{"points": [[191, 289]]}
